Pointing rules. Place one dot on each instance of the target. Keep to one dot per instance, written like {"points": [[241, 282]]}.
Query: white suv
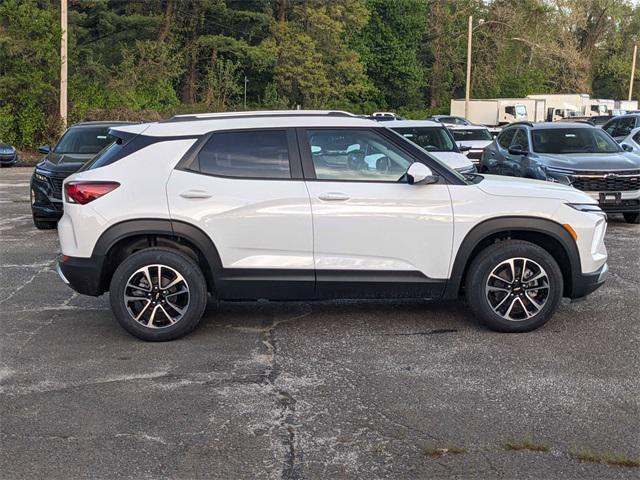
{"points": [[280, 205]]}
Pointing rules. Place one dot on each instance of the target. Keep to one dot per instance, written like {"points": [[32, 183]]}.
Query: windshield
{"points": [[432, 139], [573, 140], [471, 134], [83, 140]]}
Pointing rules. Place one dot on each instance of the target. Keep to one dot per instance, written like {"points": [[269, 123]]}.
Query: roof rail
{"points": [[256, 114]]}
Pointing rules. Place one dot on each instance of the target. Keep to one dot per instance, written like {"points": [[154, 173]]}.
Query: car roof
{"points": [[413, 123], [191, 125], [550, 125]]}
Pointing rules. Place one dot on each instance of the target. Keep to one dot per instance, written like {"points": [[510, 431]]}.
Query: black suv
{"points": [[576, 154], [77, 145]]}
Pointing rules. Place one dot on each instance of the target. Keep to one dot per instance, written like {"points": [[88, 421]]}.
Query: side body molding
{"points": [[520, 225]]}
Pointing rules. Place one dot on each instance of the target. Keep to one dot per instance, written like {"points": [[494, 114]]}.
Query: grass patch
{"points": [[442, 451], [606, 457], [527, 445]]}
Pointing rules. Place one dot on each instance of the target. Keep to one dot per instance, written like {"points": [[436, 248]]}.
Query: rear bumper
{"points": [[586, 283], [84, 275]]}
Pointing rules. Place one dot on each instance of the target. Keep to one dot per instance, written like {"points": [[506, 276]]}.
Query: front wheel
{"points": [[158, 294], [631, 217], [514, 286]]}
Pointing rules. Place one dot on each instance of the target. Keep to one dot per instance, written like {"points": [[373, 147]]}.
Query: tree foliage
{"points": [[150, 58]]}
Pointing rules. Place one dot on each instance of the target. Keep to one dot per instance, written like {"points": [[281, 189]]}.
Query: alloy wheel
{"points": [[156, 296], [517, 289]]}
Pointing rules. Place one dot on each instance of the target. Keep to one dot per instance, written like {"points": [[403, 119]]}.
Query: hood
{"points": [[453, 159], [593, 161], [5, 147], [65, 162], [503, 186]]}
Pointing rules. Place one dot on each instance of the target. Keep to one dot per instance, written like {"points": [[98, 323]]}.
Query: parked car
{"points": [[576, 154], [78, 144], [598, 120], [384, 116], [450, 120], [620, 127], [8, 155], [632, 140], [475, 137], [269, 206], [436, 139]]}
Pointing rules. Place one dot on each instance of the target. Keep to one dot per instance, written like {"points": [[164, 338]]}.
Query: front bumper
{"points": [[84, 275], [8, 159], [46, 196], [586, 283]]}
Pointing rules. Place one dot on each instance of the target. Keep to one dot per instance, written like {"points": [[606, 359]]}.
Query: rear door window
{"points": [[247, 154]]}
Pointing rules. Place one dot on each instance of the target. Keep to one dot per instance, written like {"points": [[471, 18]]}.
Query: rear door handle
{"points": [[333, 197], [195, 194]]}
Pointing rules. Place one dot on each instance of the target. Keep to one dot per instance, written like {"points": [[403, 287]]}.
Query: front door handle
{"points": [[334, 196], [195, 194]]}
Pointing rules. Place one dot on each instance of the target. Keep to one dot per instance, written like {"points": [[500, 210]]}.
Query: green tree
{"points": [[389, 45], [29, 73]]}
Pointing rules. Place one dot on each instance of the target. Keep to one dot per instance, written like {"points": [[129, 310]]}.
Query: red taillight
{"points": [[85, 192]]}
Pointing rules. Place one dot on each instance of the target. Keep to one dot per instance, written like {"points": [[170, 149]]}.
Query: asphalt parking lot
{"points": [[299, 390]]}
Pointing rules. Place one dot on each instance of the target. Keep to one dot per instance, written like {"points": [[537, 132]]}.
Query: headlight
{"points": [[560, 175], [40, 178], [588, 208]]}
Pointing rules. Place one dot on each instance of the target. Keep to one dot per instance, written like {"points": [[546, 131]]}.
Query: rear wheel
{"points": [[631, 217], [158, 294], [514, 286]]}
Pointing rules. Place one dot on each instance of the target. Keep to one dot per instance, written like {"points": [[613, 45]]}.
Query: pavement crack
{"points": [[27, 282], [286, 416]]}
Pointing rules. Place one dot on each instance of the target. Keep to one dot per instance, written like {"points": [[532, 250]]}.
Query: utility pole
{"points": [[245, 92], [63, 63], [633, 69], [468, 86]]}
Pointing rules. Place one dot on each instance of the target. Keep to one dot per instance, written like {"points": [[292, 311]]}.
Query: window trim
{"points": [[189, 161], [411, 151]]}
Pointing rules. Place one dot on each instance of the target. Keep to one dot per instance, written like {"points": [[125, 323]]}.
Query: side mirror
{"points": [[627, 148], [517, 150], [464, 148], [419, 173], [44, 149]]}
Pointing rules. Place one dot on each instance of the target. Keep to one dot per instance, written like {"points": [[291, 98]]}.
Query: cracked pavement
{"points": [[349, 389]]}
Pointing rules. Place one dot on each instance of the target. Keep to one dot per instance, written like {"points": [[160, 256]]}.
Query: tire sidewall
{"points": [[484, 265], [176, 260]]}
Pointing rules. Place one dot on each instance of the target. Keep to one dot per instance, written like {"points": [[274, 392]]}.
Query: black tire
{"points": [[44, 224], [485, 263], [182, 264], [631, 217]]}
